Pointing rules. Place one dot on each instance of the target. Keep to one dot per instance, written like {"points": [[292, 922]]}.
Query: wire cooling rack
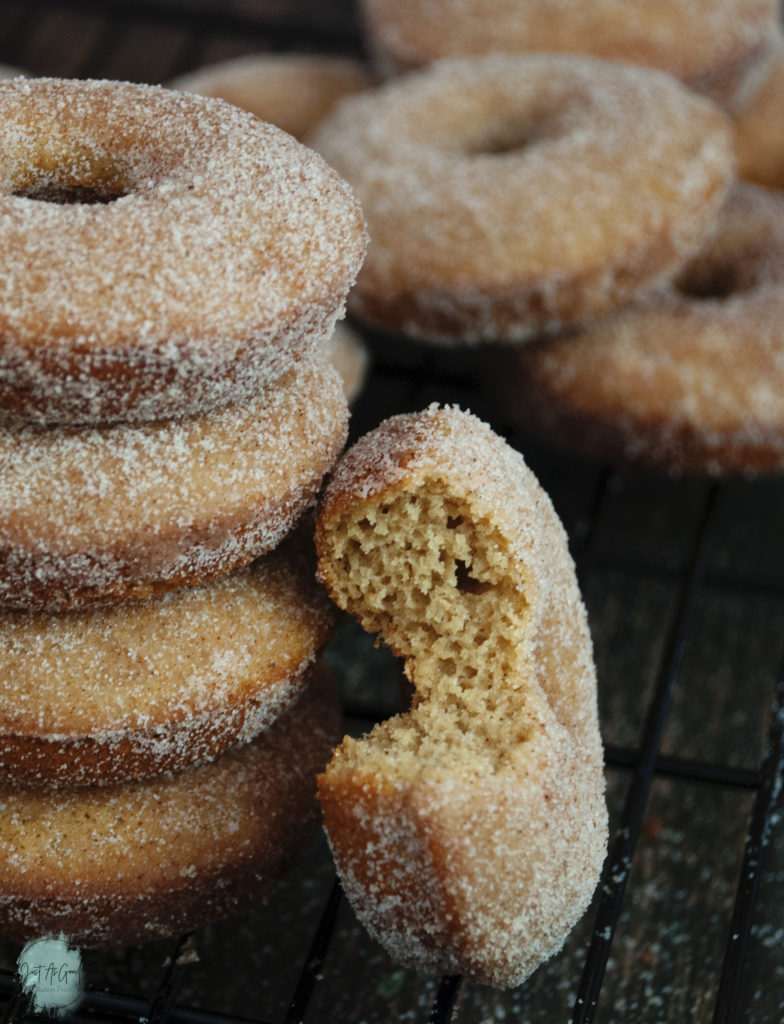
{"points": [[684, 583]]}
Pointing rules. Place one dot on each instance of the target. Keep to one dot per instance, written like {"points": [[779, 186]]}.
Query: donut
{"points": [[293, 91], [509, 194], [348, 353], [97, 515], [690, 380], [469, 832], [163, 254], [759, 129], [129, 691], [713, 46], [125, 864]]}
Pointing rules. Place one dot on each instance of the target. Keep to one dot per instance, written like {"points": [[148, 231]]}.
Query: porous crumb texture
{"points": [[293, 91], [102, 514], [130, 863], [130, 691], [712, 45], [759, 127], [469, 832], [508, 194], [162, 253], [689, 380]]}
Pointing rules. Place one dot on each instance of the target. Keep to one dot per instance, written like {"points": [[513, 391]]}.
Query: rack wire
{"points": [[684, 582]]}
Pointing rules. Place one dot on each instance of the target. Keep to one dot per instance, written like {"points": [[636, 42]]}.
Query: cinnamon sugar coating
{"points": [[92, 515], [293, 91], [130, 863], [469, 832], [690, 380], [509, 194], [163, 254], [714, 46], [130, 691]]}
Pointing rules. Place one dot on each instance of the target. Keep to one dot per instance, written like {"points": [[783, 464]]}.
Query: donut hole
{"points": [[71, 175], [69, 195], [500, 140], [501, 126], [713, 282]]}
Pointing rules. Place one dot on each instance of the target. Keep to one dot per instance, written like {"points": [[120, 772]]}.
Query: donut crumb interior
{"points": [[433, 580]]}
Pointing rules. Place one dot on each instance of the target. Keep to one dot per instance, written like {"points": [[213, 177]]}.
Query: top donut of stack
{"points": [[163, 254]]}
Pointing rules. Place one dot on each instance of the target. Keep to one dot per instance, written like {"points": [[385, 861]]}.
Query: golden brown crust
{"points": [[759, 128], [686, 381], [711, 45], [184, 252], [348, 353], [123, 693], [127, 864], [509, 194], [469, 833], [96, 514]]}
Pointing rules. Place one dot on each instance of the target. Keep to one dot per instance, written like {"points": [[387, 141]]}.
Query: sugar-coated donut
{"points": [[129, 691], [161, 253], [130, 863], [469, 833], [714, 46], [293, 91], [690, 380], [759, 129], [507, 194], [91, 515]]}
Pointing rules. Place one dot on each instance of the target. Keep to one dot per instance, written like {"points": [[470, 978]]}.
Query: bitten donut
{"points": [[508, 194], [469, 833], [183, 251], [759, 129], [93, 515], [130, 691], [293, 91], [126, 864], [714, 46], [690, 380]]}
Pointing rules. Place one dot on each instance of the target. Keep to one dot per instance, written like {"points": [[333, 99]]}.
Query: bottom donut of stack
{"points": [[132, 862]]}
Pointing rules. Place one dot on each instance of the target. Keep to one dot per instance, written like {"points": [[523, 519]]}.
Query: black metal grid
{"points": [[695, 544]]}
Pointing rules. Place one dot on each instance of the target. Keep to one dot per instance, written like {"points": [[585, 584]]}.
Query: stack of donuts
{"points": [[554, 178], [171, 269]]}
